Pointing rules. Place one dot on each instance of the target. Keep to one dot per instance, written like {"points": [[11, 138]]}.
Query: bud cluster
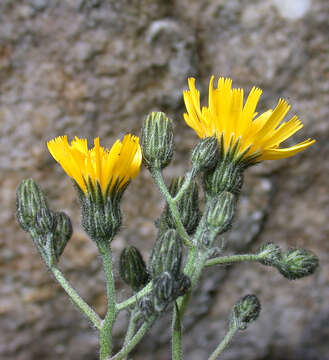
{"points": [[292, 264], [49, 230], [165, 270]]}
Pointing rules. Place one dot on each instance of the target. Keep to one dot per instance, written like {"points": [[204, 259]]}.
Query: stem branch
{"points": [[76, 298], [234, 259], [157, 176], [223, 345]]}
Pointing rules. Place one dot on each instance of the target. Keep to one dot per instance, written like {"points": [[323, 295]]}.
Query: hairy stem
{"points": [[227, 260], [157, 176], [131, 329], [81, 305], [223, 345], [176, 342], [135, 340], [133, 299], [105, 332]]}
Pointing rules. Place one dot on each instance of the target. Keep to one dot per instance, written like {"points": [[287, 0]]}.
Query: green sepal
{"points": [[62, 234], [245, 311], [29, 200], [157, 140], [205, 154], [272, 254], [100, 215], [297, 263], [166, 255], [132, 268], [163, 291], [220, 212]]}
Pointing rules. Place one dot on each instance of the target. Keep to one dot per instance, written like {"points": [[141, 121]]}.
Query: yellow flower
{"points": [[108, 168], [238, 126]]}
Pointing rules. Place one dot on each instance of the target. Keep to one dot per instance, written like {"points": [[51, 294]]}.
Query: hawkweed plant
{"points": [[233, 137]]}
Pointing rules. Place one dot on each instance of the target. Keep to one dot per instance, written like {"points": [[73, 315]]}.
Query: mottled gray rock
{"points": [[96, 68]]}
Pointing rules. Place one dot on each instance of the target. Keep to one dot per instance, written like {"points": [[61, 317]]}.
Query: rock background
{"points": [[96, 67]]}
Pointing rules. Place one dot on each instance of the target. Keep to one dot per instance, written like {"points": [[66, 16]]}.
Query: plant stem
{"points": [[135, 340], [132, 300], [105, 332], [131, 328], [157, 176], [222, 346], [76, 298], [188, 178], [176, 342], [234, 259]]}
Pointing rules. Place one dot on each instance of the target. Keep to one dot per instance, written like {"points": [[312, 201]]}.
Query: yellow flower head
{"points": [[109, 168], [238, 126]]}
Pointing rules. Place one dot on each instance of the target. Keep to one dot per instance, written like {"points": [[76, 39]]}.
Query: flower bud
{"points": [[205, 154], [62, 234], [132, 268], [146, 307], [166, 255], [30, 199], [163, 291], [220, 212], [45, 222], [157, 140], [271, 254], [188, 205], [245, 311], [100, 215], [227, 176], [183, 285], [297, 263]]}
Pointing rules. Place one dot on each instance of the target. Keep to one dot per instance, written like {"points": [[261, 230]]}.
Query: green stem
{"points": [[105, 332], [131, 329], [135, 340], [176, 343], [193, 269], [223, 345], [188, 178], [76, 298], [133, 299], [157, 176], [234, 259]]}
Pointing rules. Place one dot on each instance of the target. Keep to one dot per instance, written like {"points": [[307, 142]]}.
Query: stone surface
{"points": [[96, 67]]}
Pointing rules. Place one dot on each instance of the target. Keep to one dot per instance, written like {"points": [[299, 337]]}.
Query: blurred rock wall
{"points": [[96, 68]]}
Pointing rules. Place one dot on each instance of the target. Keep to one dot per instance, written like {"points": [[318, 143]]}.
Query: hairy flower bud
{"points": [[220, 212], [166, 255], [227, 176], [183, 285], [62, 234], [45, 221], [188, 205], [245, 311], [132, 268], [100, 215], [271, 254], [163, 291], [30, 199], [157, 140], [297, 263], [146, 306], [205, 154]]}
